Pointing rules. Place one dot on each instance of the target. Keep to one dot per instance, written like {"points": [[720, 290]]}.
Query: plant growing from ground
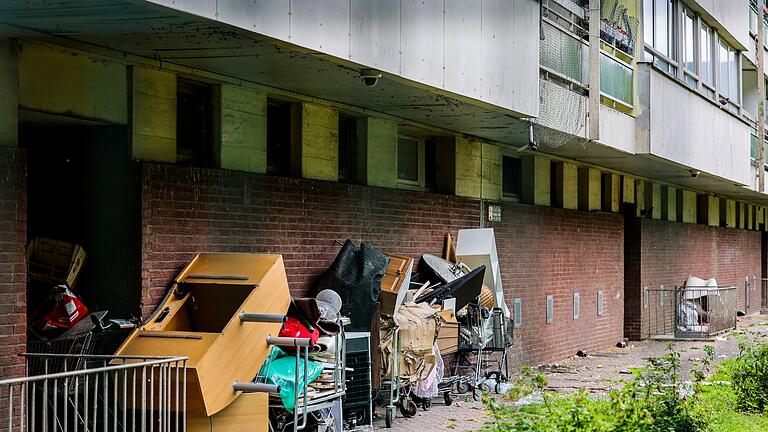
{"points": [[656, 400], [749, 374]]}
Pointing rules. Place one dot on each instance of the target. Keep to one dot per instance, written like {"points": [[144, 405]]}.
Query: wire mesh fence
{"points": [[689, 311]]}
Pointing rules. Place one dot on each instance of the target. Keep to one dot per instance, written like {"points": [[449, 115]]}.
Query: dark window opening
{"points": [[194, 123], [348, 147], [408, 160], [512, 177], [278, 138], [430, 163]]}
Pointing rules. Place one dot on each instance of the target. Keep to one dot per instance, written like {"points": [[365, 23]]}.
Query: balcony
{"points": [[683, 127]]}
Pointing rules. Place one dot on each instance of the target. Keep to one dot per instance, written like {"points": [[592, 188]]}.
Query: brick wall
{"points": [[189, 210], [542, 250], [547, 251], [669, 253], [13, 270]]}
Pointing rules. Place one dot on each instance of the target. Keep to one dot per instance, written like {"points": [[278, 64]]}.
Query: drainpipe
{"points": [[760, 98], [594, 70]]}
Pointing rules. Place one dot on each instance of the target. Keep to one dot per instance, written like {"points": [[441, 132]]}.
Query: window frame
{"points": [[665, 62], [419, 184]]}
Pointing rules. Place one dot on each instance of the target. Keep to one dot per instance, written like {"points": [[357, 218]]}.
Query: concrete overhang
{"points": [[167, 35]]}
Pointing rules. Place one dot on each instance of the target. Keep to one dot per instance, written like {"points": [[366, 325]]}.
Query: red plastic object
{"points": [[293, 328]]}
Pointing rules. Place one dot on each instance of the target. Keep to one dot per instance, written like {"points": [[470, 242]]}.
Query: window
{"points": [[660, 32], [707, 76], [511, 177], [410, 161], [278, 138], [194, 123], [729, 73], [348, 145], [690, 47]]}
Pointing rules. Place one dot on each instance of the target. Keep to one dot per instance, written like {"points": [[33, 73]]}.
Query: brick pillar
{"points": [[13, 267]]}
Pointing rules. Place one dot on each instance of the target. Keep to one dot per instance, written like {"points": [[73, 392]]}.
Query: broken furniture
{"points": [[220, 313], [54, 262], [477, 247], [464, 289], [395, 283]]}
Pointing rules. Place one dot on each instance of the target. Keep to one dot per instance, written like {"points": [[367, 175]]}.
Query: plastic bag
{"points": [[67, 311], [282, 373], [427, 388]]}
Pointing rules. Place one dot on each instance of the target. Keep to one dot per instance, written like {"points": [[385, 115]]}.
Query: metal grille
{"points": [[689, 312]]}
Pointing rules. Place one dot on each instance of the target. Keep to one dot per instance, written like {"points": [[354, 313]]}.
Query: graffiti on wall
{"points": [[620, 23]]}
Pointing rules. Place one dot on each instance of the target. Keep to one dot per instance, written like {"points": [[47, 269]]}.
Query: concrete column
{"points": [[468, 170], [611, 193], [669, 203], [536, 179], [686, 206], [491, 172], [589, 189], [750, 216], [243, 129], [759, 218], [319, 142], [654, 199], [380, 147], [566, 185], [154, 115], [708, 210], [741, 210], [730, 212], [9, 93], [640, 204], [628, 189]]}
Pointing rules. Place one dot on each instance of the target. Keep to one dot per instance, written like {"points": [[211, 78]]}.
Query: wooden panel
{"points": [[248, 413], [397, 275]]}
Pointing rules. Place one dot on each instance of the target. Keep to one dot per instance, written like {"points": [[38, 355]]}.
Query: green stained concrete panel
{"points": [[72, 83], [381, 150], [154, 115], [468, 168], [491, 172], [319, 142], [243, 129]]}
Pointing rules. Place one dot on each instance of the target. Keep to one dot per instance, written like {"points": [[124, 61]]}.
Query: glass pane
{"points": [[408, 159], [615, 79], [706, 54], [733, 75], [648, 21], [723, 61], [690, 46], [661, 23]]}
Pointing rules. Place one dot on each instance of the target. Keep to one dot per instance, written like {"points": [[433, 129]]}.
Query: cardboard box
{"points": [[54, 262], [448, 335]]}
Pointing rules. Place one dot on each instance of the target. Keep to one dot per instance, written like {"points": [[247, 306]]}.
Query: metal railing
{"points": [[752, 294], [764, 292], [97, 392], [689, 312]]}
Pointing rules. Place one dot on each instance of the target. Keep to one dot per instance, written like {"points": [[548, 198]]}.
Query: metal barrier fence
{"points": [[764, 292], [97, 392], [689, 312], [752, 291]]}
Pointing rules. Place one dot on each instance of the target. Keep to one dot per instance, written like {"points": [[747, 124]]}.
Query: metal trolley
{"points": [[482, 350], [390, 392], [325, 408]]}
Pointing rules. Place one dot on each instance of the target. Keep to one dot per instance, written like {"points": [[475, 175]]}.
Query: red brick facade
{"points": [[667, 253], [13, 269], [547, 251], [542, 250]]}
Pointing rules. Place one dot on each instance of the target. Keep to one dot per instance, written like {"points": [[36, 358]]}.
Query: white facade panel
{"points": [[422, 40], [463, 68], [375, 34], [731, 15], [322, 26], [497, 51], [617, 130], [270, 17], [691, 131]]}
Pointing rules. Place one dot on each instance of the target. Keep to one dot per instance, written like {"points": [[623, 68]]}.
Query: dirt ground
{"points": [[596, 372]]}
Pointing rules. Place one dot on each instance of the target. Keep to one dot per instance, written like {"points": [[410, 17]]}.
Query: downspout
{"points": [[759, 53], [594, 70]]}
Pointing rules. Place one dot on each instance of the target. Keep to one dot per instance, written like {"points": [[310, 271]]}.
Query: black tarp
{"points": [[356, 275]]}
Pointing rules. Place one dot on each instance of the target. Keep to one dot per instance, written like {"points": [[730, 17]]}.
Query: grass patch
{"points": [[719, 404]]}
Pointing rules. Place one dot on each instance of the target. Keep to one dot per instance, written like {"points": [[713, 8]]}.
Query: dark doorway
{"points": [[83, 188]]}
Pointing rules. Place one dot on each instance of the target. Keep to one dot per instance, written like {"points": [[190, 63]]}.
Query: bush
{"points": [[654, 401], [749, 374]]}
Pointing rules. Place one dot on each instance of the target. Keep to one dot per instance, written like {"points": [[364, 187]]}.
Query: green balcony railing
{"points": [[568, 56]]}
